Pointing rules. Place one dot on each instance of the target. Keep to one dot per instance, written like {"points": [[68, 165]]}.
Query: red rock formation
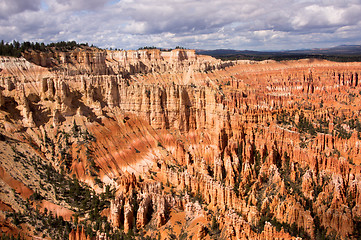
{"points": [[267, 149], [79, 234]]}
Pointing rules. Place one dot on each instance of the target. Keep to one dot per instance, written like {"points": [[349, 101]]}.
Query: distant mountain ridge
{"points": [[342, 50], [338, 53]]}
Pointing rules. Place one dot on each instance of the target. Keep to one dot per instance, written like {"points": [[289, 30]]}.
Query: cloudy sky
{"points": [[199, 24]]}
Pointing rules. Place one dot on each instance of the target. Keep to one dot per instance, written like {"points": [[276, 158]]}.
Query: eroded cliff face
{"points": [[172, 144], [125, 63]]}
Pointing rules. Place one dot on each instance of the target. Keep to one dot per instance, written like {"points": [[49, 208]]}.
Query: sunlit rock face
{"points": [[177, 144]]}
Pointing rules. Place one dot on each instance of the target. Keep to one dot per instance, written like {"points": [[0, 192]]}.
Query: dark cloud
{"points": [[10, 7], [76, 5], [252, 24]]}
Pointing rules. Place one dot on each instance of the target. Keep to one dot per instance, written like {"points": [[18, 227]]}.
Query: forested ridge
{"points": [[15, 48]]}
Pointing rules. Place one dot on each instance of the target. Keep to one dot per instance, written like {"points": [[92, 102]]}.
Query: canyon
{"points": [[151, 144]]}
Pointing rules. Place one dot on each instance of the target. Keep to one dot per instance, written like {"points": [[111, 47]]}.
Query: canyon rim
{"points": [[154, 144]]}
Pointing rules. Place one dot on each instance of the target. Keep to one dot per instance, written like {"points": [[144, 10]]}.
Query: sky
{"points": [[195, 24]]}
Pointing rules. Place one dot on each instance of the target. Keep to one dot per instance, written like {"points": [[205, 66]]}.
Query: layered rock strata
{"points": [[192, 146]]}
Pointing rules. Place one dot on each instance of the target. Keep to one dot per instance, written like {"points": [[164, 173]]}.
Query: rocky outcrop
{"points": [[79, 61], [78, 234], [94, 61], [128, 217], [144, 211], [257, 150], [24, 107], [2, 101]]}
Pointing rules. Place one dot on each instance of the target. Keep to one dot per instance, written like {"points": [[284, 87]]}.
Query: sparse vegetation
{"points": [[240, 149]]}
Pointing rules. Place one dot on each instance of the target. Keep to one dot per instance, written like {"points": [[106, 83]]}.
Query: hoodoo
{"points": [[151, 144]]}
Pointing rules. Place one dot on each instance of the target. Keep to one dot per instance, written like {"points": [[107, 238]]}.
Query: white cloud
{"points": [[252, 24], [316, 16]]}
